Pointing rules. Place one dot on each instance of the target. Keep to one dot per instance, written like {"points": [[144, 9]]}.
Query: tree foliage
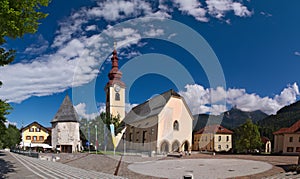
{"points": [[109, 119], [88, 126], [18, 17], [12, 136], [247, 137]]}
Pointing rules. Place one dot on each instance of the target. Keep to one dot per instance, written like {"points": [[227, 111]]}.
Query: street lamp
{"points": [[96, 143], [89, 136]]}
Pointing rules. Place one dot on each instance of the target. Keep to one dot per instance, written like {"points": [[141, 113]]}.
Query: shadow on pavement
{"points": [[5, 166]]}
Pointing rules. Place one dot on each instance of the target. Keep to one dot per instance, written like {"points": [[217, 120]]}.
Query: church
{"points": [[161, 125]]}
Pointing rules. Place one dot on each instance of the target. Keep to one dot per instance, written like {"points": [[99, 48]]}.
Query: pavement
{"points": [[19, 166], [84, 165], [200, 168]]}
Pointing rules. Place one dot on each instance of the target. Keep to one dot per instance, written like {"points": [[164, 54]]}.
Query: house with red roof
{"points": [[214, 138], [287, 140]]}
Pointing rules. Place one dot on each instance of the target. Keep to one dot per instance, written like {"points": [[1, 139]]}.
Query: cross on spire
{"points": [[115, 45]]}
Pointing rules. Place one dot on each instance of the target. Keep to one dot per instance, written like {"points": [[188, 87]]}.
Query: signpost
{"points": [[96, 139], [112, 130]]}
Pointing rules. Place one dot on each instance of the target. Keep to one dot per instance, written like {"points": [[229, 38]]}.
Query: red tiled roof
{"points": [[293, 129], [217, 129]]}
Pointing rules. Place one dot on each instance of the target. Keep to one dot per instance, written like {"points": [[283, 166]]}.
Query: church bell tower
{"points": [[115, 90]]}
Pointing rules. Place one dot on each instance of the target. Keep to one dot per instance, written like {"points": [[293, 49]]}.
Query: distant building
{"points": [[65, 128], [35, 136], [287, 140], [214, 138], [162, 124], [266, 144]]}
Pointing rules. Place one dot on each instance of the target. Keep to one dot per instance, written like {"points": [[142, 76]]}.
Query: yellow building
{"points": [[35, 136], [287, 140], [214, 138]]}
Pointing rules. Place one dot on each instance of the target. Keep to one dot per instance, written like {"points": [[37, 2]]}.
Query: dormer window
{"points": [[176, 126], [31, 129]]}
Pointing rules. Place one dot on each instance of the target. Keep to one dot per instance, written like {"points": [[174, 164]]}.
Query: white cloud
{"points": [[201, 100], [75, 56], [154, 32], [50, 73], [38, 47], [81, 111], [193, 8], [91, 28], [218, 8], [266, 14], [10, 123], [119, 9], [297, 53]]}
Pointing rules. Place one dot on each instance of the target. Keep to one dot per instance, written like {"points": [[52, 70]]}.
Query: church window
{"points": [[130, 137], [117, 97], [144, 136], [175, 125]]}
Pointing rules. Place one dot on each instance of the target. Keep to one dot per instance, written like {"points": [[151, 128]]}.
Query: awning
{"points": [[45, 146]]}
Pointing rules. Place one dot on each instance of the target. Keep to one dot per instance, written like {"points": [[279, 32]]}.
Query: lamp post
{"points": [[89, 136], [96, 143], [124, 143]]}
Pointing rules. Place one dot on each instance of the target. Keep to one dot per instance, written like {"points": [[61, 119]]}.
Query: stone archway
{"points": [[164, 147], [176, 146]]}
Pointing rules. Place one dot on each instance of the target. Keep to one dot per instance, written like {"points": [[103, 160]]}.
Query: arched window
{"points": [[176, 126], [117, 97]]}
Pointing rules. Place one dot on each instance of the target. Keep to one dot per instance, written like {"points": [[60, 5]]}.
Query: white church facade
{"points": [[162, 124]]}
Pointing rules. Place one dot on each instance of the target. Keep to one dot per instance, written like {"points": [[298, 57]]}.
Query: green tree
{"points": [[247, 137], [12, 136], [4, 110], [109, 119], [20, 17], [89, 125], [17, 17]]}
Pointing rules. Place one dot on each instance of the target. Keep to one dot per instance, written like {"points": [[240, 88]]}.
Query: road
{"points": [[19, 166]]}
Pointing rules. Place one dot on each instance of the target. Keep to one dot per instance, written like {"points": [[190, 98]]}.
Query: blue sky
{"points": [[244, 53]]}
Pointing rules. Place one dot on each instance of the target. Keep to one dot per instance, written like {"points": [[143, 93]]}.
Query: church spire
{"points": [[115, 74]]}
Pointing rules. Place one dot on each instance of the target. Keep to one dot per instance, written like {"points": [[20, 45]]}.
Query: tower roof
{"points": [[66, 112], [115, 74]]}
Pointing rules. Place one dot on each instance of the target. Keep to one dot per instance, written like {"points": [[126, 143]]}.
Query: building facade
{"points": [[162, 124], [214, 138], [65, 128], [287, 140], [35, 136]]}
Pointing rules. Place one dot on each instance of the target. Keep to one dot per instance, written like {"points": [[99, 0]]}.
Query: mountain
{"points": [[285, 117], [229, 119]]}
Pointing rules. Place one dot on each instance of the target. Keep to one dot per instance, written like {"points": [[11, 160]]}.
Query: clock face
{"points": [[117, 88]]}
